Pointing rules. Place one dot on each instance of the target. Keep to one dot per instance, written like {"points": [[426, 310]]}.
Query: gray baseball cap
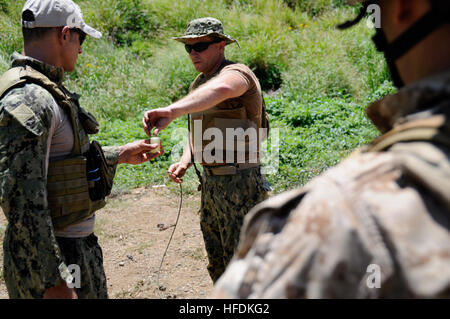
{"points": [[57, 13]]}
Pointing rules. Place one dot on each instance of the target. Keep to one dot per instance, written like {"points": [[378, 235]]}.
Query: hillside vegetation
{"points": [[317, 80]]}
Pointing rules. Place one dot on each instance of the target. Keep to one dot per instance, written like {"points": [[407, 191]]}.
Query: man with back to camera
{"points": [[52, 178], [377, 225]]}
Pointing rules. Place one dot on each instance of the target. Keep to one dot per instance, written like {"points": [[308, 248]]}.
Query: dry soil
{"points": [[129, 231]]}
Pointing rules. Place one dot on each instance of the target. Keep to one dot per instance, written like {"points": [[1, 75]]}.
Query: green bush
{"points": [[314, 7], [127, 21], [268, 74], [4, 6]]}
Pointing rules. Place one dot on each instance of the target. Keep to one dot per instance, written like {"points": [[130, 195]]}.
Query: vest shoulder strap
{"points": [[40, 79], [20, 75], [434, 129], [194, 85], [11, 79]]}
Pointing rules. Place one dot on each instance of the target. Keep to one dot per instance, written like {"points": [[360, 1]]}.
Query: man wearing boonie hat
{"points": [[53, 178], [226, 96], [378, 224]]}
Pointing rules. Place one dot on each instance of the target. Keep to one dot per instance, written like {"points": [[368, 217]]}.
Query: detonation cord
{"points": [[168, 244]]}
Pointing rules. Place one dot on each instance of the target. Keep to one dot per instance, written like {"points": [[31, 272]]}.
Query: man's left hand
{"points": [[138, 152]]}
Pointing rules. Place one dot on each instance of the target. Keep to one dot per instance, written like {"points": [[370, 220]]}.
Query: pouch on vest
{"points": [[68, 191], [100, 184], [88, 121], [77, 186], [234, 147]]}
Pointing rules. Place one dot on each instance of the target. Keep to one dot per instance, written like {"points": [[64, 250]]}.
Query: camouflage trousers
{"points": [[84, 252], [87, 253], [225, 202]]}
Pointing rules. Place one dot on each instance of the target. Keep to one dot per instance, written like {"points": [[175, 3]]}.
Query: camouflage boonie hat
{"points": [[205, 27]]}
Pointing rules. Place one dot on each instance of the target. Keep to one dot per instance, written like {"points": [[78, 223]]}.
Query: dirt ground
{"points": [[133, 246]]}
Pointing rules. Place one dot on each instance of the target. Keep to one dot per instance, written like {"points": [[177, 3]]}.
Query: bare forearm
{"points": [[205, 97], [202, 99], [187, 154], [217, 90]]}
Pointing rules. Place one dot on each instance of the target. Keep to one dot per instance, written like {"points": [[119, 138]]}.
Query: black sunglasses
{"points": [[81, 34], [201, 46]]}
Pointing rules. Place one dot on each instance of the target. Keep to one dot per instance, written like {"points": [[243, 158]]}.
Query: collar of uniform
{"points": [[55, 74], [225, 62], [419, 96]]}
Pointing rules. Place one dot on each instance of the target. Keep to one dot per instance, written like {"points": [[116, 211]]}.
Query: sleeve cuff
{"points": [[111, 154], [241, 73]]}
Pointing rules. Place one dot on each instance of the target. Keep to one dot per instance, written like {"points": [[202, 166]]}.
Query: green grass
{"points": [[323, 78], [2, 232], [142, 247]]}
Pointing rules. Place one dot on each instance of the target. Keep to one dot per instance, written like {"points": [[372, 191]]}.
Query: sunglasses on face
{"points": [[81, 34], [201, 46]]}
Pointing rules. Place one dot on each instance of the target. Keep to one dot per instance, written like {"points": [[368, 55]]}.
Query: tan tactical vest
{"points": [[67, 184], [229, 114]]}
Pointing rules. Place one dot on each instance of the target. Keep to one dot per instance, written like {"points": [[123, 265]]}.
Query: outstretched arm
{"points": [[215, 91]]}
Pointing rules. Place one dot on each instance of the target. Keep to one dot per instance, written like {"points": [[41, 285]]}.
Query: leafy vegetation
{"points": [[318, 80]]}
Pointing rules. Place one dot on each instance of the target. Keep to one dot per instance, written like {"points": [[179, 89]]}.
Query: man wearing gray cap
{"points": [[226, 97], [378, 224], [53, 178]]}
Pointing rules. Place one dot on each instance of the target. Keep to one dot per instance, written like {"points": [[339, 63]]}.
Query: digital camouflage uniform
{"points": [[34, 259], [387, 206], [225, 202], [225, 199]]}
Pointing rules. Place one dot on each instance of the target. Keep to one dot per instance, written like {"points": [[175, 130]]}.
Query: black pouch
{"points": [[88, 121], [100, 185]]}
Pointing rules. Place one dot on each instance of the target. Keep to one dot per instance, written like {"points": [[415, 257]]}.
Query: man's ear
{"points": [[64, 35]]}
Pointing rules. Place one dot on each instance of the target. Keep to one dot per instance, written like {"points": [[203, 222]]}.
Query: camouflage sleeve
{"points": [[25, 119], [112, 159], [111, 155]]}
